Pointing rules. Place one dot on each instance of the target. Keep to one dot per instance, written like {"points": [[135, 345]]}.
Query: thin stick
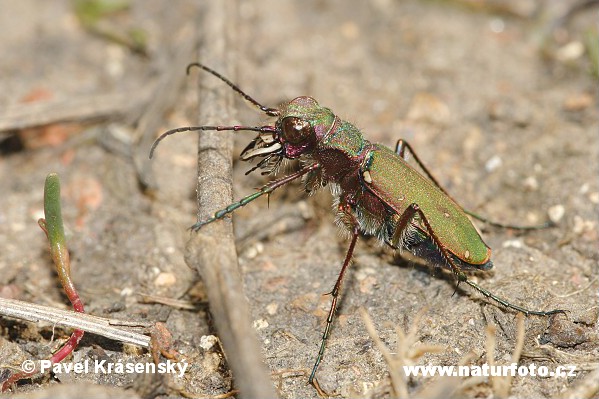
{"points": [[67, 318], [502, 384], [394, 364], [212, 250], [97, 106], [490, 344], [520, 331]]}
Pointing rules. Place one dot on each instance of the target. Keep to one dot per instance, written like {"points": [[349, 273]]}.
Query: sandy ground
{"points": [[499, 106]]}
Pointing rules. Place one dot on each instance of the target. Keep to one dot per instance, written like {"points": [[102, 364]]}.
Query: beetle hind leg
{"points": [[404, 221], [400, 149]]}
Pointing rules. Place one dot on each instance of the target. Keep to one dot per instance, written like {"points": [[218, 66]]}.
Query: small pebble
{"points": [[512, 244], [531, 183], [254, 250], [272, 308], [578, 225], [570, 51], [493, 163], [208, 341], [165, 279], [581, 225], [556, 213], [260, 324], [584, 188]]}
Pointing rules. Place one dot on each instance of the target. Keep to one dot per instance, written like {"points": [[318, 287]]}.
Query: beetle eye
{"points": [[295, 130]]}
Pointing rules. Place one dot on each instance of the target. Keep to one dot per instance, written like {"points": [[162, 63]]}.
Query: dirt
{"points": [[500, 108]]}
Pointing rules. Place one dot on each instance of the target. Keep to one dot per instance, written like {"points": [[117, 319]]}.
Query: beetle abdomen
{"points": [[398, 185]]}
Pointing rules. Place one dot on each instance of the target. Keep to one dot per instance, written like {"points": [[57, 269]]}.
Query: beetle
{"points": [[376, 192]]}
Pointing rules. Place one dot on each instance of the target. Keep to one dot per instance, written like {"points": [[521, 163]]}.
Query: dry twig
{"points": [[67, 318], [212, 250]]}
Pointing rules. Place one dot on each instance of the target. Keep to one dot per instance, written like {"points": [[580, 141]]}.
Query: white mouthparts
{"points": [[260, 151]]}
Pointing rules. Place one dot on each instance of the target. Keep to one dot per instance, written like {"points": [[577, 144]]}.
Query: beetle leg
{"points": [[402, 224], [400, 149], [344, 207], [264, 190]]}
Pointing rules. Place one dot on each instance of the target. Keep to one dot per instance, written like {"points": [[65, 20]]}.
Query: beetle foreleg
{"points": [[266, 189], [407, 216], [344, 207]]}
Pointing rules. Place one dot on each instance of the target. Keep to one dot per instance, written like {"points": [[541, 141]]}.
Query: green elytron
{"points": [[376, 192]]}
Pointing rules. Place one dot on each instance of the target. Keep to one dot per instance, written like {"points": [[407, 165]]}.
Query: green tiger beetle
{"points": [[376, 192]]}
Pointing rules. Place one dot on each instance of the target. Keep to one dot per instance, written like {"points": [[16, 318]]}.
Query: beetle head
{"points": [[299, 127], [301, 124]]}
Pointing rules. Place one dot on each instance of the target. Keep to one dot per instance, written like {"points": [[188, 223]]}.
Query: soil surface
{"points": [[498, 99]]}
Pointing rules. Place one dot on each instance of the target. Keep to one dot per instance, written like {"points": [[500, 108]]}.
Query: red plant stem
{"points": [[60, 255]]}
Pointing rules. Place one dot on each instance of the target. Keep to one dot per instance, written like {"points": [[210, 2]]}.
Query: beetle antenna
{"points": [[267, 110], [261, 129]]}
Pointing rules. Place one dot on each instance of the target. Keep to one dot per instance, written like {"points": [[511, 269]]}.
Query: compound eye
{"points": [[295, 130]]}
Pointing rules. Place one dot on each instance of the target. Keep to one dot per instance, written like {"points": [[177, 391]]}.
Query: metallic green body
{"points": [[375, 191], [398, 185], [375, 179]]}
